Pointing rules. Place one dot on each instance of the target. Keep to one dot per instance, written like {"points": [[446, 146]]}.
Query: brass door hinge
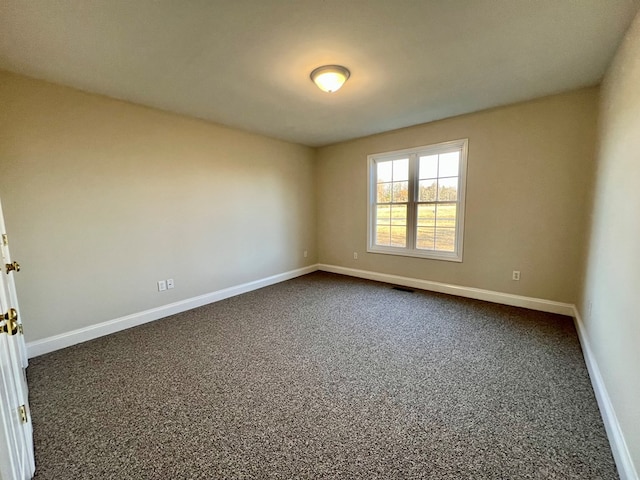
{"points": [[13, 266], [11, 317], [5, 239], [22, 410]]}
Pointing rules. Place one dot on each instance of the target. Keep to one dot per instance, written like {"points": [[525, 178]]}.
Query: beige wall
{"points": [[529, 167], [103, 198], [612, 286]]}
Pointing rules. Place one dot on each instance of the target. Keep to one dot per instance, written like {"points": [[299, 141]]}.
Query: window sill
{"points": [[403, 252]]}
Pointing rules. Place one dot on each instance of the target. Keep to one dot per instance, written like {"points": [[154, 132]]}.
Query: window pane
{"points": [[448, 189], [383, 235], [449, 163], [446, 216], [398, 236], [428, 167], [384, 172], [426, 238], [383, 215], [384, 192], [428, 190], [399, 215], [445, 239], [426, 215], [400, 191], [401, 170]]}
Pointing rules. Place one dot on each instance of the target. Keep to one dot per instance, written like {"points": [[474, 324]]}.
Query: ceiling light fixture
{"points": [[329, 78]]}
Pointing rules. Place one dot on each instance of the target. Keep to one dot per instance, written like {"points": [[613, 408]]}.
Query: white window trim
{"points": [[413, 154]]}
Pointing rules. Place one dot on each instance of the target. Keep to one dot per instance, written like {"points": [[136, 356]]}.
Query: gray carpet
{"points": [[324, 377]]}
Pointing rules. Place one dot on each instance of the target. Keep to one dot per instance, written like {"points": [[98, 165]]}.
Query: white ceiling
{"points": [[246, 63]]}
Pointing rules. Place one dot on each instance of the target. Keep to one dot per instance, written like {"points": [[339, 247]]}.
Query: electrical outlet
{"points": [[516, 275], [162, 285], [306, 254], [170, 283], [355, 255]]}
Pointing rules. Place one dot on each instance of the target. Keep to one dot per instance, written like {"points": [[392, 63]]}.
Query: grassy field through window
{"points": [[436, 226]]}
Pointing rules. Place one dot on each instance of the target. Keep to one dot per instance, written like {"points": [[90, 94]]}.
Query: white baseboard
{"points": [[468, 292], [63, 340], [621, 454]]}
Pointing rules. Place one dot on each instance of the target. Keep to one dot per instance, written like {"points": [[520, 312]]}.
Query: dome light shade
{"points": [[330, 78]]}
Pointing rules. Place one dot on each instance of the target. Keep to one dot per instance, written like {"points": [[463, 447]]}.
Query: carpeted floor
{"points": [[324, 377]]}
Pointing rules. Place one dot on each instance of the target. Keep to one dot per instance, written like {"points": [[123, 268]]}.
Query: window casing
{"points": [[416, 201]]}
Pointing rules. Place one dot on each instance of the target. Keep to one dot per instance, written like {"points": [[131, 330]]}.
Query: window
{"points": [[416, 201]]}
